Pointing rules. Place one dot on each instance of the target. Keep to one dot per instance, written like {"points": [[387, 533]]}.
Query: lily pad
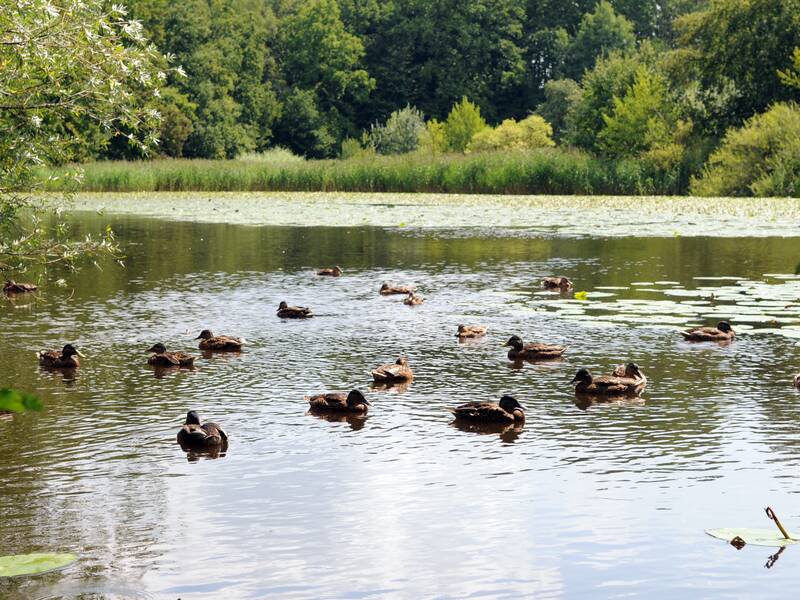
{"points": [[754, 537], [34, 564]]}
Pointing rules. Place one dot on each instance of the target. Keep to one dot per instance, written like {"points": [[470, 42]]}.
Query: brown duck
{"points": [[388, 290], [630, 371], [334, 272], [508, 410], [66, 359], [604, 385], [397, 372], [195, 435], [218, 343], [721, 333], [294, 312], [161, 358], [521, 351], [354, 403], [557, 283], [12, 287], [413, 300], [471, 331]]}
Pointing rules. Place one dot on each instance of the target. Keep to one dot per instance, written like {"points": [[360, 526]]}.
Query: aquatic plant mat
{"points": [[34, 564]]}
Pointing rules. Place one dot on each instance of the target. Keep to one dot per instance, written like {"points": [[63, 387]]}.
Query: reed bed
{"points": [[551, 171]]}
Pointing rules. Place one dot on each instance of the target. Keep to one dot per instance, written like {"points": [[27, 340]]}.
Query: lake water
{"points": [[607, 501]]}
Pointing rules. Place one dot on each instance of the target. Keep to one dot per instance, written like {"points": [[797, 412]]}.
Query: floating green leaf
{"points": [[15, 401], [582, 296], [33, 564], [755, 537]]}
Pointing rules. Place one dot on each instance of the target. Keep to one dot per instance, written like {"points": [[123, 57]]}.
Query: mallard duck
{"points": [[471, 331], [161, 358], [413, 300], [721, 333], [193, 434], [557, 283], [508, 410], [399, 371], [293, 312], [522, 351], [797, 381], [218, 343], [354, 402], [605, 385], [630, 371], [12, 287], [66, 359], [334, 272], [388, 290]]}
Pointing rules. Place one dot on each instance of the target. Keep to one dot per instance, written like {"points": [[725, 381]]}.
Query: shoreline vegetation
{"points": [[536, 172]]}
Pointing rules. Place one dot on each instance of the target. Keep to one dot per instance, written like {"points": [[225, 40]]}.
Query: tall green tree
{"points": [[601, 32]]}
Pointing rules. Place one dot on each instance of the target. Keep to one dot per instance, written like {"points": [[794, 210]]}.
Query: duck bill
{"points": [[79, 353], [153, 350], [574, 380]]}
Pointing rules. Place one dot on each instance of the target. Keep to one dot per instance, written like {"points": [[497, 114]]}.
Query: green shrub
{"points": [[400, 134], [433, 140], [528, 134], [760, 159], [463, 122]]}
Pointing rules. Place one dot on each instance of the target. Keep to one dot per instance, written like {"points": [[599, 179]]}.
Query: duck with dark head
{"points": [[193, 434], [159, 357], [219, 343], [521, 351], [723, 332], [66, 358], [507, 410]]}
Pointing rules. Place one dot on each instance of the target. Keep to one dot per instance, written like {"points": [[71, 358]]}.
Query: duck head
{"points": [[582, 376], [632, 370], [158, 348], [510, 404], [70, 350], [283, 305], [724, 326], [403, 361], [205, 335], [338, 270], [192, 418], [385, 286], [515, 342], [355, 397]]}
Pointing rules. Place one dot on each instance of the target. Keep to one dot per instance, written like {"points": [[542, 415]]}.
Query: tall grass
{"points": [[546, 171]]}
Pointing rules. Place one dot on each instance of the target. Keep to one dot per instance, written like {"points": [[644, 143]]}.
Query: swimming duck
{"points": [[334, 272], [193, 434], [471, 331], [12, 287], [605, 385], [161, 358], [508, 410], [630, 371], [218, 343], [413, 300], [293, 312], [388, 290], [354, 402], [66, 359], [399, 371], [522, 351], [721, 333], [797, 381], [557, 283]]}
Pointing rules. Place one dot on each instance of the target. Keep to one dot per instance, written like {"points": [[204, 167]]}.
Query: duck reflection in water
{"points": [[586, 401], [508, 432], [194, 453], [399, 387], [356, 422]]}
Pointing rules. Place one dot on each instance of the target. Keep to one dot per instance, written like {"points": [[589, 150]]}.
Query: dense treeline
{"points": [[671, 83]]}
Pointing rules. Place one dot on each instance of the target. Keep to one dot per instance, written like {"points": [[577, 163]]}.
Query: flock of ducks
{"points": [[625, 380]]}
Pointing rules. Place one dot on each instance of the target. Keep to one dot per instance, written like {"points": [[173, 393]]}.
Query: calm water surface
{"points": [[602, 501]]}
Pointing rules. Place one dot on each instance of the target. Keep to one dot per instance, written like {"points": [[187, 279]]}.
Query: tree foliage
{"points": [[463, 122], [529, 134], [400, 134]]}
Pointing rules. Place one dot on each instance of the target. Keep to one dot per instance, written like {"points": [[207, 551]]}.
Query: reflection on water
{"points": [[402, 503]]}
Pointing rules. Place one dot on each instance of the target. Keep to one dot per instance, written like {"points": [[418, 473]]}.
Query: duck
{"points": [[605, 385], [67, 358], [630, 371], [12, 287], [388, 290], [522, 351], [471, 331], [219, 343], [293, 312], [508, 410], [397, 372], [557, 283], [161, 358], [413, 300], [334, 272], [797, 381], [721, 333], [352, 403], [193, 434]]}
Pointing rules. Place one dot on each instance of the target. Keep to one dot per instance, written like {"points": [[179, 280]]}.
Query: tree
{"points": [[400, 134], [528, 134], [601, 32], [69, 60], [463, 122], [561, 98]]}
